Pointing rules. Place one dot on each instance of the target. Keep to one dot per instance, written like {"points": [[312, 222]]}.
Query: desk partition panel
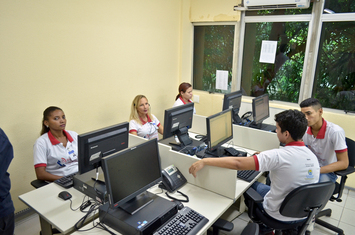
{"points": [[198, 125], [134, 140], [254, 139], [218, 180]]}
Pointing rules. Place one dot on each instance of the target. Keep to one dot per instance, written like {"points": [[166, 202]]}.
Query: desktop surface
{"points": [[52, 209]]}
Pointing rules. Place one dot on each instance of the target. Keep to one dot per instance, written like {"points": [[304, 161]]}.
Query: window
{"points": [[334, 80], [213, 50], [282, 79]]}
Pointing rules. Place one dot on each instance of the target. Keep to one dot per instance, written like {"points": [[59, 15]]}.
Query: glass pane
{"points": [[334, 82], [281, 11], [281, 80], [340, 6], [213, 50]]}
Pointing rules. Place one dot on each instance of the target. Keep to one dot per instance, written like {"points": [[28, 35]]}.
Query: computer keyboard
{"points": [[66, 181], [185, 222], [247, 175]]}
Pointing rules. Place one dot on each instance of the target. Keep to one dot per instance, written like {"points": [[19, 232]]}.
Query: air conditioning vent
{"points": [[283, 6], [272, 4]]}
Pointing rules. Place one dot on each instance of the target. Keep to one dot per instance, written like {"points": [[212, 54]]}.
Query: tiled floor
{"points": [[342, 216]]}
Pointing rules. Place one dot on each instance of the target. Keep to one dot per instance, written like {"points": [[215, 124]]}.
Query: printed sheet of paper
{"points": [[268, 52], [222, 79]]}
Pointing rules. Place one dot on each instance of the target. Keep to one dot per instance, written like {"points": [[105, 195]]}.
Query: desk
{"points": [[207, 203], [211, 194], [54, 211]]}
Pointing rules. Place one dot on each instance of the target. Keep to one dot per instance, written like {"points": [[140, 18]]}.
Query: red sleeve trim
{"points": [[256, 162], [132, 130], [341, 151], [158, 124], [40, 165]]}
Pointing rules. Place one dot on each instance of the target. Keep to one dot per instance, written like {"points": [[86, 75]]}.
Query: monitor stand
{"points": [[237, 120], [219, 152], [255, 125], [183, 136], [263, 126], [137, 203]]}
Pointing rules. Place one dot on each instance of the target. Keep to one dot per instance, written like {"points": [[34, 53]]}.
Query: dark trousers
{"points": [[7, 225]]}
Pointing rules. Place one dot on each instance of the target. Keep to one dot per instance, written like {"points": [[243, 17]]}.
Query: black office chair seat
{"points": [[302, 202], [275, 224], [251, 229]]}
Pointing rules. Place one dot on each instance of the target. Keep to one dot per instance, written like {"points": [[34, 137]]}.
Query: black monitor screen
{"points": [[233, 101], [131, 172], [219, 129], [260, 107], [177, 118], [93, 146]]}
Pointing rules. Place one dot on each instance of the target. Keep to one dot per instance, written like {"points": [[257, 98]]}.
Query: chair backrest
{"points": [[298, 202], [351, 151]]}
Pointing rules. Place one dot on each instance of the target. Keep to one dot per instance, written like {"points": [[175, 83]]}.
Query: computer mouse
{"points": [[64, 195]]}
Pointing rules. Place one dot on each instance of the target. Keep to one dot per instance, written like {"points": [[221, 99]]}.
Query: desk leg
{"points": [[46, 228]]}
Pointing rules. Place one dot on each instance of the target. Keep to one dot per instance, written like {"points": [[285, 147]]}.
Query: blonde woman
{"points": [[142, 122]]}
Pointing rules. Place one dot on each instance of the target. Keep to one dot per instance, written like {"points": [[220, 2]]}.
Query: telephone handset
{"points": [[172, 179]]}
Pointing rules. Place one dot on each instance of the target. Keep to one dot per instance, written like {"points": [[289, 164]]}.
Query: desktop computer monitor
{"points": [[233, 100], [177, 121], [261, 111], [219, 131], [129, 173], [94, 145]]}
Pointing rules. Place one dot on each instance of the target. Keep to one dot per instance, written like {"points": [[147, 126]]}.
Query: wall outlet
{"points": [[196, 98]]}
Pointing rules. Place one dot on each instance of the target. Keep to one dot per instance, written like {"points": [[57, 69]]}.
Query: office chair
{"points": [[339, 187], [304, 201]]}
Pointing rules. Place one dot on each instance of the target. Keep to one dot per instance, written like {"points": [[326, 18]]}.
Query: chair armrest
{"points": [[347, 171], [221, 224], [38, 183], [253, 195]]}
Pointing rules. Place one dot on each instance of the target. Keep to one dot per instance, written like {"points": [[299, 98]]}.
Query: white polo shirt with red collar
{"points": [[148, 130], [290, 167], [329, 141], [180, 101], [57, 159]]}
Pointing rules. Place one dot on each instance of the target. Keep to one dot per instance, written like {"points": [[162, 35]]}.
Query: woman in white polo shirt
{"points": [[184, 96], [55, 151], [142, 122]]}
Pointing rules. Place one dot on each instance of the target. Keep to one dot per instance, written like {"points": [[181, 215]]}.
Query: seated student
{"points": [[184, 96], [55, 151], [142, 122], [7, 216], [325, 139], [290, 167]]}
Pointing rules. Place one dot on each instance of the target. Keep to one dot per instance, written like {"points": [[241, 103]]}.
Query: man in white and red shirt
{"points": [[325, 139], [290, 167]]}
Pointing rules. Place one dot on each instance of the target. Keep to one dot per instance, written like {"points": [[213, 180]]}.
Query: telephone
{"points": [[172, 179]]}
